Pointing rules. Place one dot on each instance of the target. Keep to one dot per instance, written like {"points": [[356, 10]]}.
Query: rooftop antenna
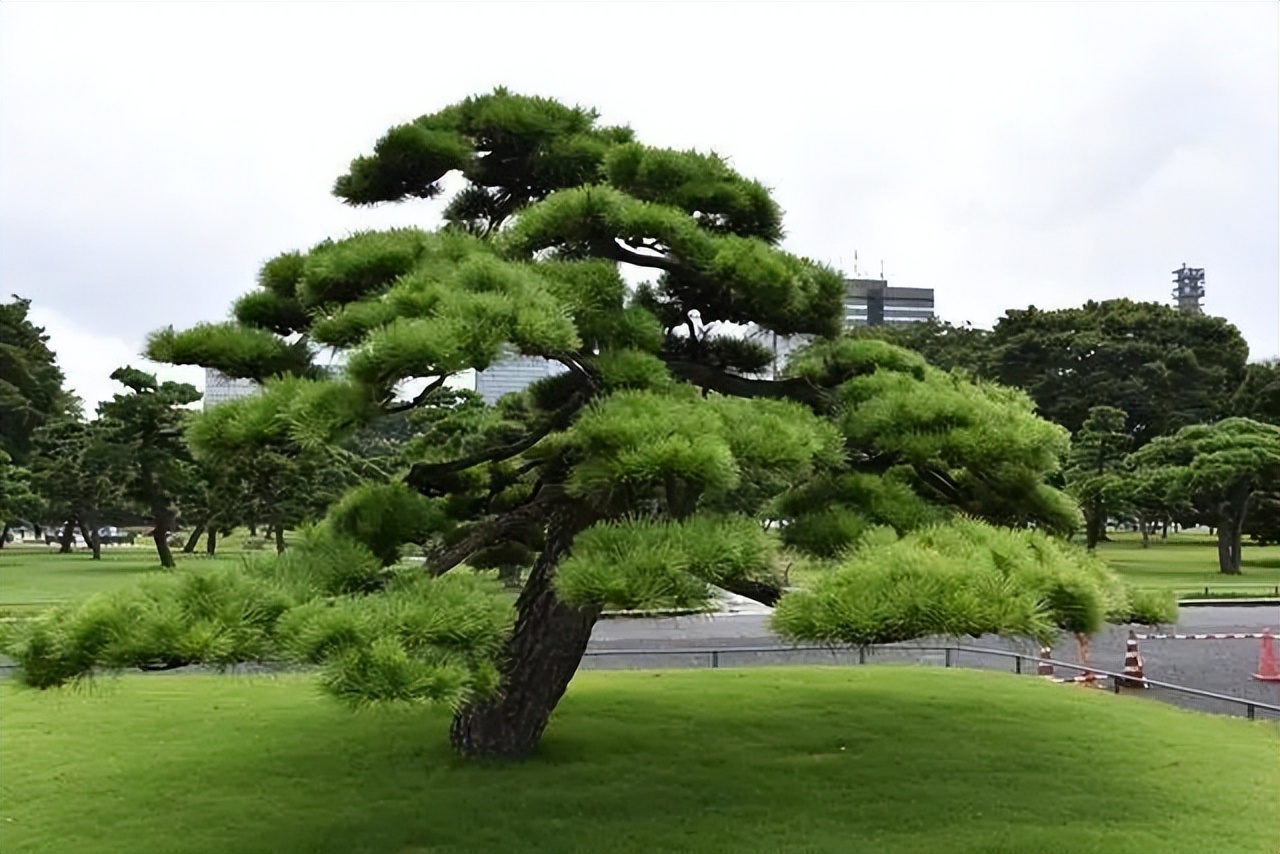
{"points": [[855, 263], [1188, 289], [882, 269]]}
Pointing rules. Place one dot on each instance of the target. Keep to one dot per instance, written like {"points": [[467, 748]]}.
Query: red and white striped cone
{"points": [[1045, 668], [1268, 671], [1133, 671]]}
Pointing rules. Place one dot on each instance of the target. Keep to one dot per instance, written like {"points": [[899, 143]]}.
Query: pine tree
{"points": [[638, 476], [1094, 472], [1218, 469]]}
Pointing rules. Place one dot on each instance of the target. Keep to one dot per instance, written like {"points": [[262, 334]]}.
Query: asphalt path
{"points": [[1222, 666]]}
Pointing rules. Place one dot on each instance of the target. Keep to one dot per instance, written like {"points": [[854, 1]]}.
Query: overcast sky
{"points": [[152, 156]]}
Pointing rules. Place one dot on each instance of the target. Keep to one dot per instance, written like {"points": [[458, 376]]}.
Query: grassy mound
{"points": [[797, 759]]}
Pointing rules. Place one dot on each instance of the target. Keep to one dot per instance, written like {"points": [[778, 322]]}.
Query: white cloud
{"points": [[152, 156], [87, 358]]}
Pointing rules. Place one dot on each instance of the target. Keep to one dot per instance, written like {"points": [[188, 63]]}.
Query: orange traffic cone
{"points": [[1133, 672], [1045, 668], [1267, 671]]}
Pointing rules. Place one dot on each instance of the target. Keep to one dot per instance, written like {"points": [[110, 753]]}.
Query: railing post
{"points": [[1248, 710], [1017, 665], [946, 657], [715, 658], [1115, 685]]}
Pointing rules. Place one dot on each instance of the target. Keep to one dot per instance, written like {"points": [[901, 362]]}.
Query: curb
{"points": [[1226, 602], [1218, 636]]}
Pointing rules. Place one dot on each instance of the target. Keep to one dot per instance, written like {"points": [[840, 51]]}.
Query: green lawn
{"points": [[34, 577], [1188, 563], [884, 759]]}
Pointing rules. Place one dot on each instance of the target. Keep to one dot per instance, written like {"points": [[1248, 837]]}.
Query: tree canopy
{"points": [[1164, 368], [145, 428], [640, 476], [1095, 469], [1217, 469], [31, 389]]}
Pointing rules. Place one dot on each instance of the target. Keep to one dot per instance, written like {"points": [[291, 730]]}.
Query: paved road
{"points": [[1221, 666]]}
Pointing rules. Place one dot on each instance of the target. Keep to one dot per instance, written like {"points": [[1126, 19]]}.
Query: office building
{"points": [[219, 388], [872, 302], [513, 374]]}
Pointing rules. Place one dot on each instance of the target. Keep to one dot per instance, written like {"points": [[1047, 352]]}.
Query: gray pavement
{"points": [[1219, 666]]}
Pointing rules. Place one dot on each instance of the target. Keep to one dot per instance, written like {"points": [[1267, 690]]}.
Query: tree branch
{"points": [[707, 377], [616, 251], [420, 399], [421, 475], [486, 533]]}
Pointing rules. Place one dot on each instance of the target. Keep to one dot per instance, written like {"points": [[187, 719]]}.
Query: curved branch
{"points": [[615, 251], [421, 475], [707, 377], [489, 532], [420, 399]]}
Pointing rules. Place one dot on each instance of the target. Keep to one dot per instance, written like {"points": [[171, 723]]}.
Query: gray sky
{"points": [[153, 155]]}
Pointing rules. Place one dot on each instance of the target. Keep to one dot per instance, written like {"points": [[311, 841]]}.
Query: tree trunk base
{"points": [[541, 657]]}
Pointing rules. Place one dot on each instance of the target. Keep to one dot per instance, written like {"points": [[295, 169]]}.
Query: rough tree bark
{"points": [[211, 542], [1231, 532], [280, 544], [190, 545], [68, 536], [1094, 522], [541, 657], [91, 538]]}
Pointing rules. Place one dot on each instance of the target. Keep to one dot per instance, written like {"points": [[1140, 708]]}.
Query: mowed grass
{"points": [[1187, 564], [885, 759], [34, 577]]}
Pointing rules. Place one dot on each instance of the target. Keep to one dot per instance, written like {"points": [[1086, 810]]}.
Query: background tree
{"points": [[1095, 471], [620, 472], [1219, 469], [1163, 368], [78, 472], [18, 503], [31, 384], [944, 345], [146, 429], [1258, 396], [31, 393], [261, 467]]}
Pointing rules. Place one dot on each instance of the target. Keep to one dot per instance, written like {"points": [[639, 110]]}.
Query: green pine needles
{"points": [[663, 458]]}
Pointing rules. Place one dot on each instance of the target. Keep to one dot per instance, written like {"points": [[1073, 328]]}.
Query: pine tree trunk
{"points": [[91, 538], [68, 536], [1231, 532], [1227, 564], [541, 657], [1091, 529], [190, 545], [161, 538], [211, 542]]}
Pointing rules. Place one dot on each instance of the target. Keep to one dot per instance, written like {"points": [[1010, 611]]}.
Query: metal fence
{"points": [[943, 656]]}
